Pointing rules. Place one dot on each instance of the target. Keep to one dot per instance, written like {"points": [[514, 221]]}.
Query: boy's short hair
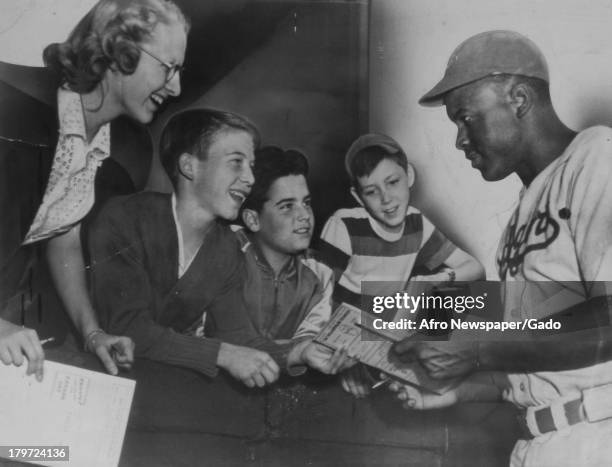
{"points": [[193, 131], [367, 151], [272, 163]]}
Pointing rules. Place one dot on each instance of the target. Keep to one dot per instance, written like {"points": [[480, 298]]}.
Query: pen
{"points": [[383, 381], [47, 340]]}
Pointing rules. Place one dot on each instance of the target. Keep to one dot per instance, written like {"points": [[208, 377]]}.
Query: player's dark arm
{"points": [[585, 339]]}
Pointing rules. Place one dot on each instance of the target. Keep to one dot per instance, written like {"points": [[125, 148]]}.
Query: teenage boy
{"points": [[287, 290], [160, 261], [386, 238]]}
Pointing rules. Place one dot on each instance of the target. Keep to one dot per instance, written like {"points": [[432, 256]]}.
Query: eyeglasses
{"points": [[171, 70]]}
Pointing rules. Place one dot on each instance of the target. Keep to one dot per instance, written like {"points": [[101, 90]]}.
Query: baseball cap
{"points": [[370, 140], [487, 54]]}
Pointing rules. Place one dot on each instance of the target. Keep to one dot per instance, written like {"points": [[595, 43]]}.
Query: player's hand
{"points": [[324, 359], [478, 387], [441, 359], [357, 381], [413, 398], [250, 366], [17, 344], [114, 351]]}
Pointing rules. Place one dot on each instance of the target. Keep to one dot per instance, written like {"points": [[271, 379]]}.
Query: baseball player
{"points": [[553, 257]]}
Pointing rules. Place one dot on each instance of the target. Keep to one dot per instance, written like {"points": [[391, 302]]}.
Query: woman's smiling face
{"points": [[140, 94]]}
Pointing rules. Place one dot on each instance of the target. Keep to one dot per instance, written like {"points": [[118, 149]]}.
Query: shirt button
{"points": [[522, 386]]}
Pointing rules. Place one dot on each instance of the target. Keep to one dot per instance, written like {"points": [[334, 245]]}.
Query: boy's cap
{"points": [[368, 141], [487, 54]]}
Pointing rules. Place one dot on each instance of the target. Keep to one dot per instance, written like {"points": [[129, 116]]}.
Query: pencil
{"points": [[378, 384]]}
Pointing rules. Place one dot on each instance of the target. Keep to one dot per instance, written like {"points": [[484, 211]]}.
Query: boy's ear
{"points": [[251, 219], [185, 165], [411, 175], [356, 196]]}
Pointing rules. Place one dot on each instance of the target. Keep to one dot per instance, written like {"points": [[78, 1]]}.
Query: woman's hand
{"points": [[18, 343]]}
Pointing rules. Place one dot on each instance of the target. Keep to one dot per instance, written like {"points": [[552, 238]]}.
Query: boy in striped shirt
{"points": [[385, 240]]}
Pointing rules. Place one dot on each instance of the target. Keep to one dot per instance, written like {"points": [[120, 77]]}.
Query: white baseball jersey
{"points": [[557, 242]]}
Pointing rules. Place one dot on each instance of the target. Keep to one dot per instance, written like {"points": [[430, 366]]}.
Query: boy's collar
{"points": [[287, 269], [385, 234]]}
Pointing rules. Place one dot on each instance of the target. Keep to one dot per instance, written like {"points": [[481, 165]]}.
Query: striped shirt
{"points": [[358, 249]]}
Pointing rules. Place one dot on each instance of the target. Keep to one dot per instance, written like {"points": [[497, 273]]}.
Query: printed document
{"points": [[84, 410]]}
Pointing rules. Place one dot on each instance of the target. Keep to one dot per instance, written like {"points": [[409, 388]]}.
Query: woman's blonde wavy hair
{"points": [[108, 35]]}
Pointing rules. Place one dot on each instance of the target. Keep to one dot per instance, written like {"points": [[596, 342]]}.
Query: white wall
{"points": [[410, 43], [28, 26]]}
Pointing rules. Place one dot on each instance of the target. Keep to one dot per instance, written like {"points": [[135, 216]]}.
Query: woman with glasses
{"points": [[123, 58]]}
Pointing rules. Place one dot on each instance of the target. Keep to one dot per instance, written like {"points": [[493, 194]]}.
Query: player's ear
{"points": [[250, 218], [522, 97], [355, 195]]}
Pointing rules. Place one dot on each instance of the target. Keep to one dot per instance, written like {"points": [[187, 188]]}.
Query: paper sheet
{"points": [[345, 330], [84, 410]]}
